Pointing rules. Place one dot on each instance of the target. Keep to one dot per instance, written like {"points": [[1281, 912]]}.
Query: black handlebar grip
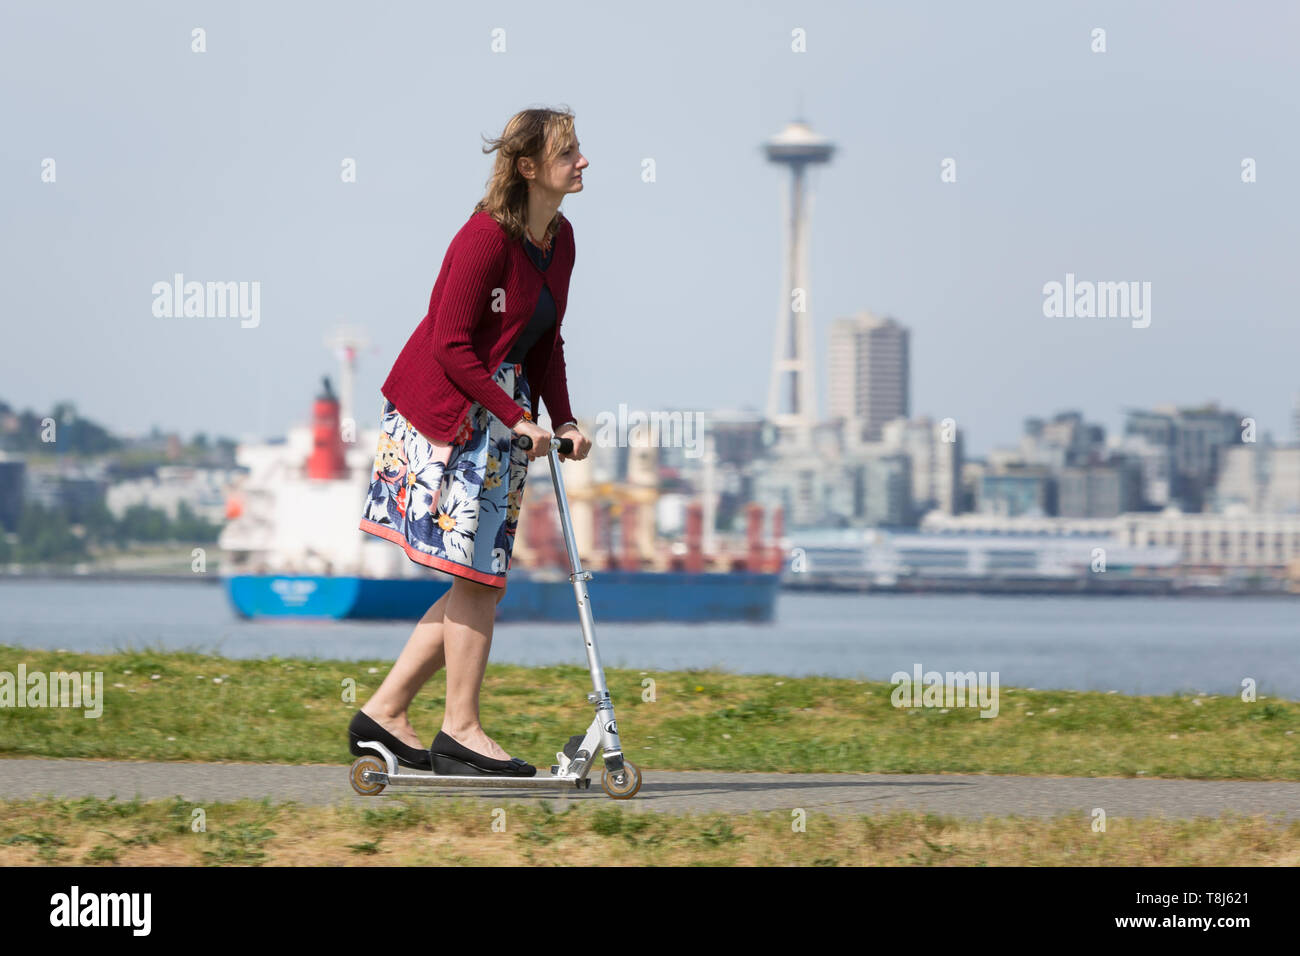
{"points": [[524, 442]]}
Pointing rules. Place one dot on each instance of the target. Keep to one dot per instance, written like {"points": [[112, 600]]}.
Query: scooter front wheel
{"points": [[359, 783], [625, 788]]}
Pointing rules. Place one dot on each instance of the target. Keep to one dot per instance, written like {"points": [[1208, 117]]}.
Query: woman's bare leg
{"points": [[420, 659], [467, 638]]}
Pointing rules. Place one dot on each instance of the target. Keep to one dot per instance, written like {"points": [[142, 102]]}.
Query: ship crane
{"points": [[595, 508], [606, 511]]}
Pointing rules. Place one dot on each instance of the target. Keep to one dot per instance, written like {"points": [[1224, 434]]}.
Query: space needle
{"points": [[791, 406]]}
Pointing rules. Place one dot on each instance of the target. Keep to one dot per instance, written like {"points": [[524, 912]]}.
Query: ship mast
{"points": [[346, 343], [708, 497]]}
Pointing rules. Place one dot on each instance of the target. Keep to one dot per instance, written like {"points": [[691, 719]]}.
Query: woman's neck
{"points": [[541, 210]]}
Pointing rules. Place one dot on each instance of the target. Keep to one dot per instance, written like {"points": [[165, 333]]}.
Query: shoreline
{"points": [[1021, 587], [142, 576], [1031, 587]]}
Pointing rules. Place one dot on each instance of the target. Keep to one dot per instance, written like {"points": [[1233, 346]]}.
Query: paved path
{"points": [[684, 791]]}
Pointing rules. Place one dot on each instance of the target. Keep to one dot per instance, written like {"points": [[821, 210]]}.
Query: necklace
{"points": [[545, 245]]}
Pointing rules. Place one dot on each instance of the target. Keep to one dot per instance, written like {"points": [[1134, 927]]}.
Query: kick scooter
{"points": [[620, 778]]}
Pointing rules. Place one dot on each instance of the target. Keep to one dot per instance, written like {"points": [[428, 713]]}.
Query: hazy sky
{"points": [[225, 165]]}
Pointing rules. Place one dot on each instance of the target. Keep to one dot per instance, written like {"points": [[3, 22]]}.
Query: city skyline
{"points": [[1289, 433]]}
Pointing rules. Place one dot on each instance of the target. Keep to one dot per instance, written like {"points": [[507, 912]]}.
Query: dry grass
{"points": [[475, 832]]}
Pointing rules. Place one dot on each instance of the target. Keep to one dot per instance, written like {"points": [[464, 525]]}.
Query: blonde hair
{"points": [[541, 134]]}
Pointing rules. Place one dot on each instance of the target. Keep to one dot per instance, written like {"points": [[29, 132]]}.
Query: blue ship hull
{"points": [[615, 596]]}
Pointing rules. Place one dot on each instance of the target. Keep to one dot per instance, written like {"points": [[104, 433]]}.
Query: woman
{"points": [[448, 480]]}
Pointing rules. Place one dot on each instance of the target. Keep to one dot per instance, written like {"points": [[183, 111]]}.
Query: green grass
{"points": [[278, 710]]}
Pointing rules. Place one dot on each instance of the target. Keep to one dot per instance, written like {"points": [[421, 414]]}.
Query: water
{"points": [[1133, 645]]}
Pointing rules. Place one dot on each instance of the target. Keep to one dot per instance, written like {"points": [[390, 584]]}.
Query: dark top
{"points": [[543, 313]]}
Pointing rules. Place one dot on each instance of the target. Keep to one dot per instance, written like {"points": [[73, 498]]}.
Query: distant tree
{"points": [[73, 434], [190, 527], [101, 527], [143, 523], [44, 535]]}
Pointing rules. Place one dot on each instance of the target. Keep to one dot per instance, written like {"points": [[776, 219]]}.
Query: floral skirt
{"points": [[452, 506]]}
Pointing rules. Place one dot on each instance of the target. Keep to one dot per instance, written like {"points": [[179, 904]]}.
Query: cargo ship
{"points": [[290, 546]]}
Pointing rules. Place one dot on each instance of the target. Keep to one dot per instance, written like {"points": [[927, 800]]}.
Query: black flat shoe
{"points": [[364, 727], [449, 757]]}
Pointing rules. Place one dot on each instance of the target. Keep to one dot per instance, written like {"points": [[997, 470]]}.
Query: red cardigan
{"points": [[481, 302]]}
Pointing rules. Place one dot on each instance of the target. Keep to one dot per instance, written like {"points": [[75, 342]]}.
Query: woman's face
{"points": [[564, 175]]}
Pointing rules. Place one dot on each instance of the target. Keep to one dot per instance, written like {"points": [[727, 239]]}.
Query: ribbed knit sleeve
{"points": [[475, 271], [555, 393]]}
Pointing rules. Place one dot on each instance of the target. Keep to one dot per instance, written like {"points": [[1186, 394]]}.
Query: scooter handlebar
{"points": [[565, 446]]}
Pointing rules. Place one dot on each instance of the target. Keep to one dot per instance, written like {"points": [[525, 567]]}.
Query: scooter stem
{"points": [[600, 695]]}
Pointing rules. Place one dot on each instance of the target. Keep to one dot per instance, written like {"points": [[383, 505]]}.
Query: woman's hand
{"points": [[581, 443], [540, 436]]}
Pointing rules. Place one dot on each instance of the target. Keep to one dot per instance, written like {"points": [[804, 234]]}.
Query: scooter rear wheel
{"points": [[359, 784], [628, 787]]}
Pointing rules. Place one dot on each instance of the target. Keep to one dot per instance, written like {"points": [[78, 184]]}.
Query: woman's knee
{"points": [[478, 590]]}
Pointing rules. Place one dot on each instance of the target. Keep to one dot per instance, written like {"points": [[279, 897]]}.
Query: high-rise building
{"points": [[935, 450], [1064, 441], [1100, 491], [1197, 439], [798, 487], [1155, 463], [869, 373], [1282, 493], [1025, 490], [886, 497], [1260, 477], [12, 479]]}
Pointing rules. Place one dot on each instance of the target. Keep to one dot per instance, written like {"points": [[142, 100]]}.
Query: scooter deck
{"points": [[416, 778]]}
